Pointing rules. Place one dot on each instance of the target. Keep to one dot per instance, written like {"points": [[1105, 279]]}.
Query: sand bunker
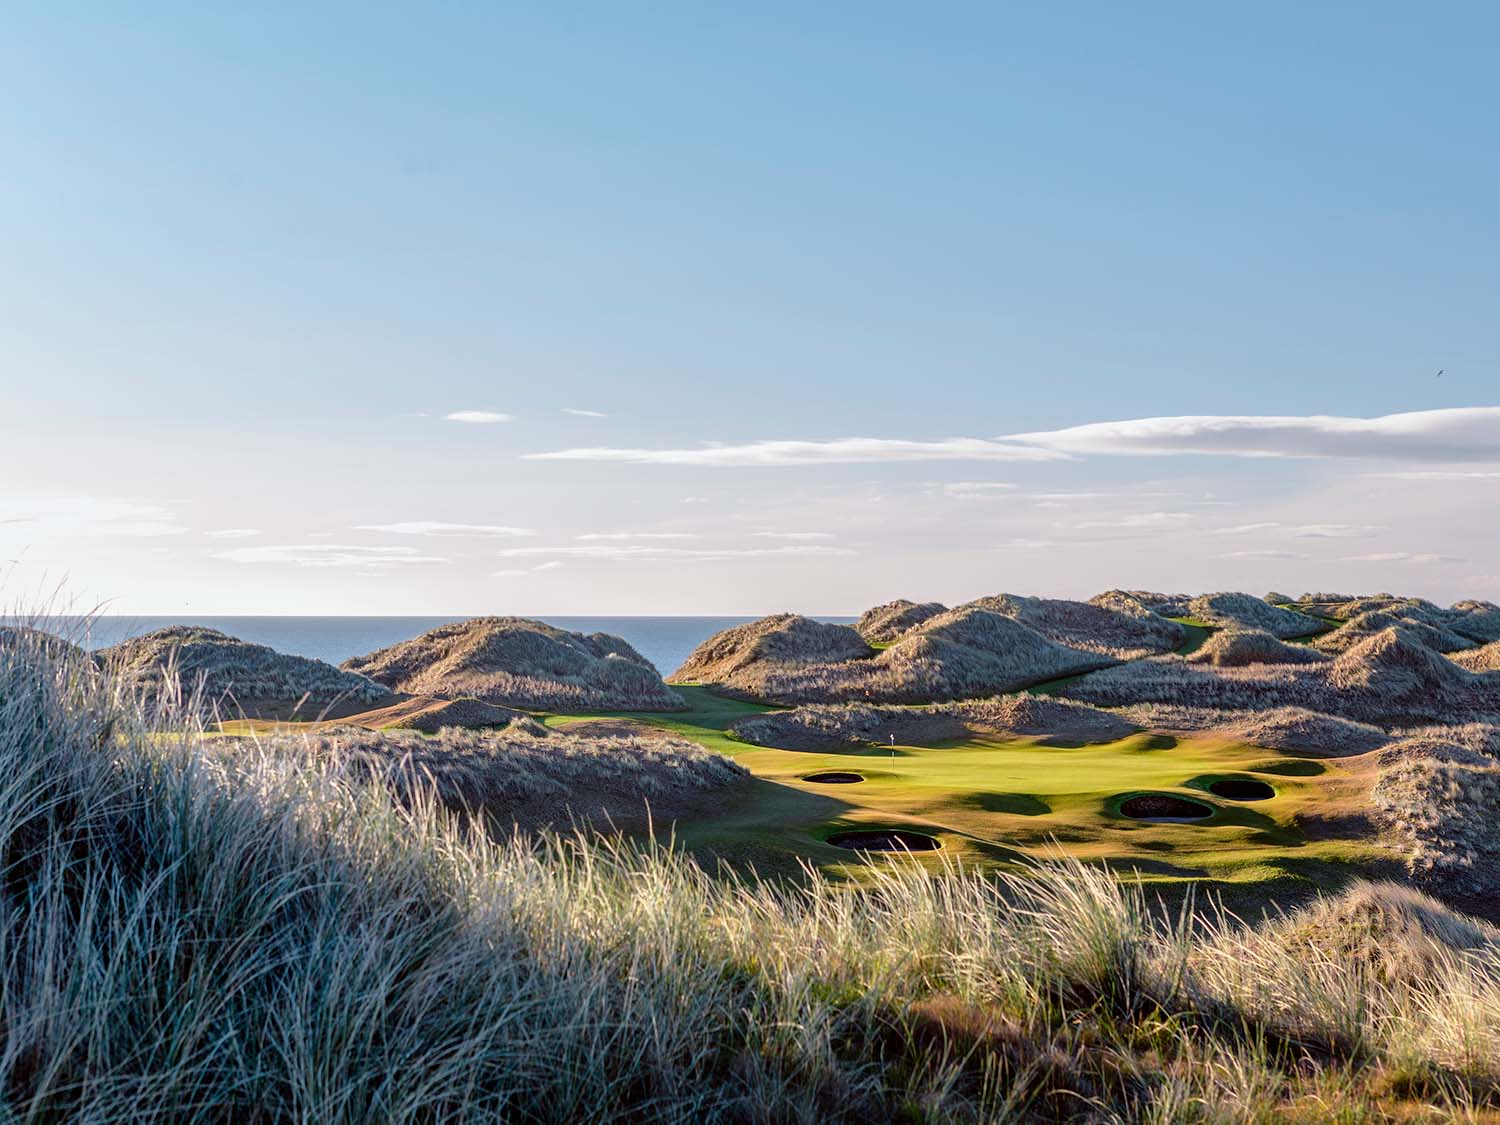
{"points": [[1241, 789], [884, 840], [834, 777]]}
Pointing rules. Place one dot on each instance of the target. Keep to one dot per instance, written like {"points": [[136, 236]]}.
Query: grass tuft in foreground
{"points": [[193, 932]]}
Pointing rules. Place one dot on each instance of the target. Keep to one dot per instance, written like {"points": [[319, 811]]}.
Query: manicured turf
{"points": [[1002, 801]]}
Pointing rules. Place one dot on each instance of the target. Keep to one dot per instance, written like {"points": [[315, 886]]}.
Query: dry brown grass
{"points": [[885, 623], [820, 726], [1150, 601], [784, 640], [1235, 648], [1438, 802], [1477, 620], [1122, 631], [1472, 621], [1387, 680], [1245, 611], [230, 674], [1439, 638], [1294, 729], [516, 766], [515, 662], [1483, 659], [963, 653], [1396, 934]]}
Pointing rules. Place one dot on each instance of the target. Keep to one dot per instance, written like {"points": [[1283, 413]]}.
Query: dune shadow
{"points": [[1292, 767], [1015, 804]]}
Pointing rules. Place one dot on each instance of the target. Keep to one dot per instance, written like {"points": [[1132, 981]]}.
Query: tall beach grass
{"points": [[195, 928]]}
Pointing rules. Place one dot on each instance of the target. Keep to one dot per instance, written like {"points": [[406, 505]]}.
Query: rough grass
{"points": [[522, 762], [1484, 659], [516, 662], [194, 934], [1294, 729], [814, 726], [1437, 637], [227, 672], [1439, 804], [1475, 621], [1388, 679], [1245, 611], [738, 656], [962, 653], [885, 623], [1234, 648], [1122, 631], [1150, 601]]}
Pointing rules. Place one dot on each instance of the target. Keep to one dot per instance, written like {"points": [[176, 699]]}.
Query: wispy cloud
{"points": [[977, 489], [330, 555], [1439, 474], [806, 536], [1402, 556], [234, 533], [1023, 544], [436, 528], [1462, 434], [94, 516], [477, 417], [553, 565], [840, 451], [584, 413], [622, 536], [1058, 499], [1334, 531], [1246, 528], [643, 552], [1269, 553], [1140, 520]]}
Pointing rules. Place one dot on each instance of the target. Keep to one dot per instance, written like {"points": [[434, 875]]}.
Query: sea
{"points": [[665, 641]]}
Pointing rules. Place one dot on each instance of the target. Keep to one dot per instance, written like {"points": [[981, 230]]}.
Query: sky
{"points": [[716, 309]]}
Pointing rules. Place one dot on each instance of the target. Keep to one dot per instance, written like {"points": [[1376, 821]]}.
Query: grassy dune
{"points": [[267, 935]]}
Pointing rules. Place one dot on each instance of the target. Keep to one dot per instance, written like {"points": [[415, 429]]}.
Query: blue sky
{"points": [[252, 258]]}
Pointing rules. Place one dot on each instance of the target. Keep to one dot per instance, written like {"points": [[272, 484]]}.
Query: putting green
{"points": [[1003, 801]]}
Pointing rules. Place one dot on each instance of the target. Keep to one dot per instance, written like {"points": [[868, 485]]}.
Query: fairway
{"points": [[1003, 801]]}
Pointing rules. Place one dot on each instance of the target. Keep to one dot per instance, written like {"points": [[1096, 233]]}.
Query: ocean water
{"points": [[665, 641]]}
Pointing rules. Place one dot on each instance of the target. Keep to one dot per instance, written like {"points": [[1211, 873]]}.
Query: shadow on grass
{"points": [[1016, 804], [1294, 767]]}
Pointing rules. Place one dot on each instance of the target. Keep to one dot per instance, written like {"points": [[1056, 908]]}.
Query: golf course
{"points": [[1002, 802]]}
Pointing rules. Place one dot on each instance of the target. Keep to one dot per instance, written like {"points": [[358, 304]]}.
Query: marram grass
{"points": [[194, 929]]}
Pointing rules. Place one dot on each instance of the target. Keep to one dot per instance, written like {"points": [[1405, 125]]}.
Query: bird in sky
{"points": [[1439, 375]]}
